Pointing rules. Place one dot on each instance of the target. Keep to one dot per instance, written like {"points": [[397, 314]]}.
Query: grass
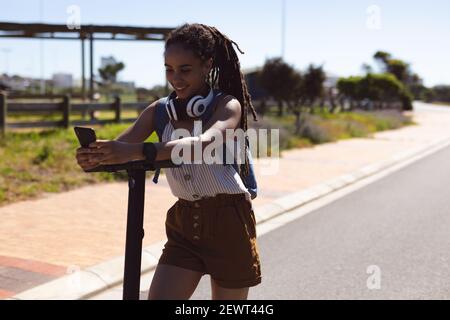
{"points": [[322, 126], [34, 162], [357, 124], [40, 161]]}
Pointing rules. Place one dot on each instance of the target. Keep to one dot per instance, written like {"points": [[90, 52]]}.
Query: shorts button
{"points": [[196, 204], [196, 225], [187, 177], [196, 238]]}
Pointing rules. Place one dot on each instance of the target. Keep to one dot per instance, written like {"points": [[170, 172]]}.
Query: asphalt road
{"points": [[387, 240]]}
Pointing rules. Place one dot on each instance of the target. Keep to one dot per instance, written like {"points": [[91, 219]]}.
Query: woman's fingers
{"points": [[90, 155], [107, 159], [89, 166], [98, 158], [89, 150], [84, 151], [100, 144], [86, 164], [84, 157], [97, 153], [89, 158]]}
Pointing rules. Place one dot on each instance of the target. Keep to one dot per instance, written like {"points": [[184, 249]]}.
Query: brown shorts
{"points": [[215, 236]]}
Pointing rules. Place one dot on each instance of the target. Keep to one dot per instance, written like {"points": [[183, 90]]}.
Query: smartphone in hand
{"points": [[85, 136]]}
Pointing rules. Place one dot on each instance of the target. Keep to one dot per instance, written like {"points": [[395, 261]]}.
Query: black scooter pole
{"points": [[135, 220], [135, 234]]}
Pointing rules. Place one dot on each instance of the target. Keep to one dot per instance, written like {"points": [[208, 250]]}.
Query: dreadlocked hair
{"points": [[207, 42]]}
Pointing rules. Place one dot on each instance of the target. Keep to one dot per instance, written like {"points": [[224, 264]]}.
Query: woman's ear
{"points": [[208, 65]]}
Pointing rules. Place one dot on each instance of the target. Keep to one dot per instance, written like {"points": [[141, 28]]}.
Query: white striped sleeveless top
{"points": [[194, 181]]}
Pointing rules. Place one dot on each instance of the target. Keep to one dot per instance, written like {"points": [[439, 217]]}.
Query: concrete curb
{"points": [[83, 284]]}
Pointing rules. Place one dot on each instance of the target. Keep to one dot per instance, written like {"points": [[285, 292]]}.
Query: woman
{"points": [[211, 229]]}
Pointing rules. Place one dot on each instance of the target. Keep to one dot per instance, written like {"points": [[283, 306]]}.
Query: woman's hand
{"points": [[84, 160], [103, 152]]}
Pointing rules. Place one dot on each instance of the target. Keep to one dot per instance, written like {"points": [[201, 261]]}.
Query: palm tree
{"points": [[109, 75]]}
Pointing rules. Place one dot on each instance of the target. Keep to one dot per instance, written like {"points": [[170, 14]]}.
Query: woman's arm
{"points": [[129, 145], [226, 116], [126, 147], [142, 128]]}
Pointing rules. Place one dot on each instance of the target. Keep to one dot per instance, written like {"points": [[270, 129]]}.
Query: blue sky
{"points": [[337, 34]]}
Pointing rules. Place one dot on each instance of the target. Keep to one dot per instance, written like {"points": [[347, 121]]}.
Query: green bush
{"points": [[324, 126], [316, 133]]}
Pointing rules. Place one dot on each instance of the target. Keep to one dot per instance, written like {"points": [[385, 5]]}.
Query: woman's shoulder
{"points": [[222, 94], [224, 99]]}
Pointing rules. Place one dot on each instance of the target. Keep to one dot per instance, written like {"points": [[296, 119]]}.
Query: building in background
{"points": [[15, 82], [62, 80]]}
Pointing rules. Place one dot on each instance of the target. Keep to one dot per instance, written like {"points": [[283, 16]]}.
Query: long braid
{"points": [[207, 42]]}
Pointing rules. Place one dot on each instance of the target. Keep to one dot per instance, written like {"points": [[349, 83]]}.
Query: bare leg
{"points": [[173, 283], [220, 293]]}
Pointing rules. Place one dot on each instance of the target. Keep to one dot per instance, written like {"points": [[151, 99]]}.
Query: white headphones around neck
{"points": [[194, 108]]}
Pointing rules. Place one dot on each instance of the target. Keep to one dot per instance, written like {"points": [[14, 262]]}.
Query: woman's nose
{"points": [[177, 77]]}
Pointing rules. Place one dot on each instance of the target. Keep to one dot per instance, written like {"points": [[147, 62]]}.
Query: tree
{"points": [[277, 77], [382, 58], [313, 80], [366, 68], [376, 88], [402, 71], [109, 75], [441, 93], [109, 72], [295, 101], [348, 88], [285, 85], [428, 95]]}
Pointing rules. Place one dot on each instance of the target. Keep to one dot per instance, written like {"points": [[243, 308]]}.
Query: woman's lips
{"points": [[181, 89]]}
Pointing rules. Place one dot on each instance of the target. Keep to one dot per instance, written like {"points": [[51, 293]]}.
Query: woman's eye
{"points": [[182, 71]]}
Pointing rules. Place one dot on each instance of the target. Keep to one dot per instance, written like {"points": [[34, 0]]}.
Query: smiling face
{"points": [[185, 71]]}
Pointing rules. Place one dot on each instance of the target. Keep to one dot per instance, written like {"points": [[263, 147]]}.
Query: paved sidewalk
{"points": [[43, 239]]}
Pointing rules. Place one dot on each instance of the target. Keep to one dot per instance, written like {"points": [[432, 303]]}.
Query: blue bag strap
{"points": [[161, 117], [160, 120], [248, 180]]}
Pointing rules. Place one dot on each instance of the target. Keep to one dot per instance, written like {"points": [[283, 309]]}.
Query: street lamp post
{"points": [[283, 26], [41, 48]]}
